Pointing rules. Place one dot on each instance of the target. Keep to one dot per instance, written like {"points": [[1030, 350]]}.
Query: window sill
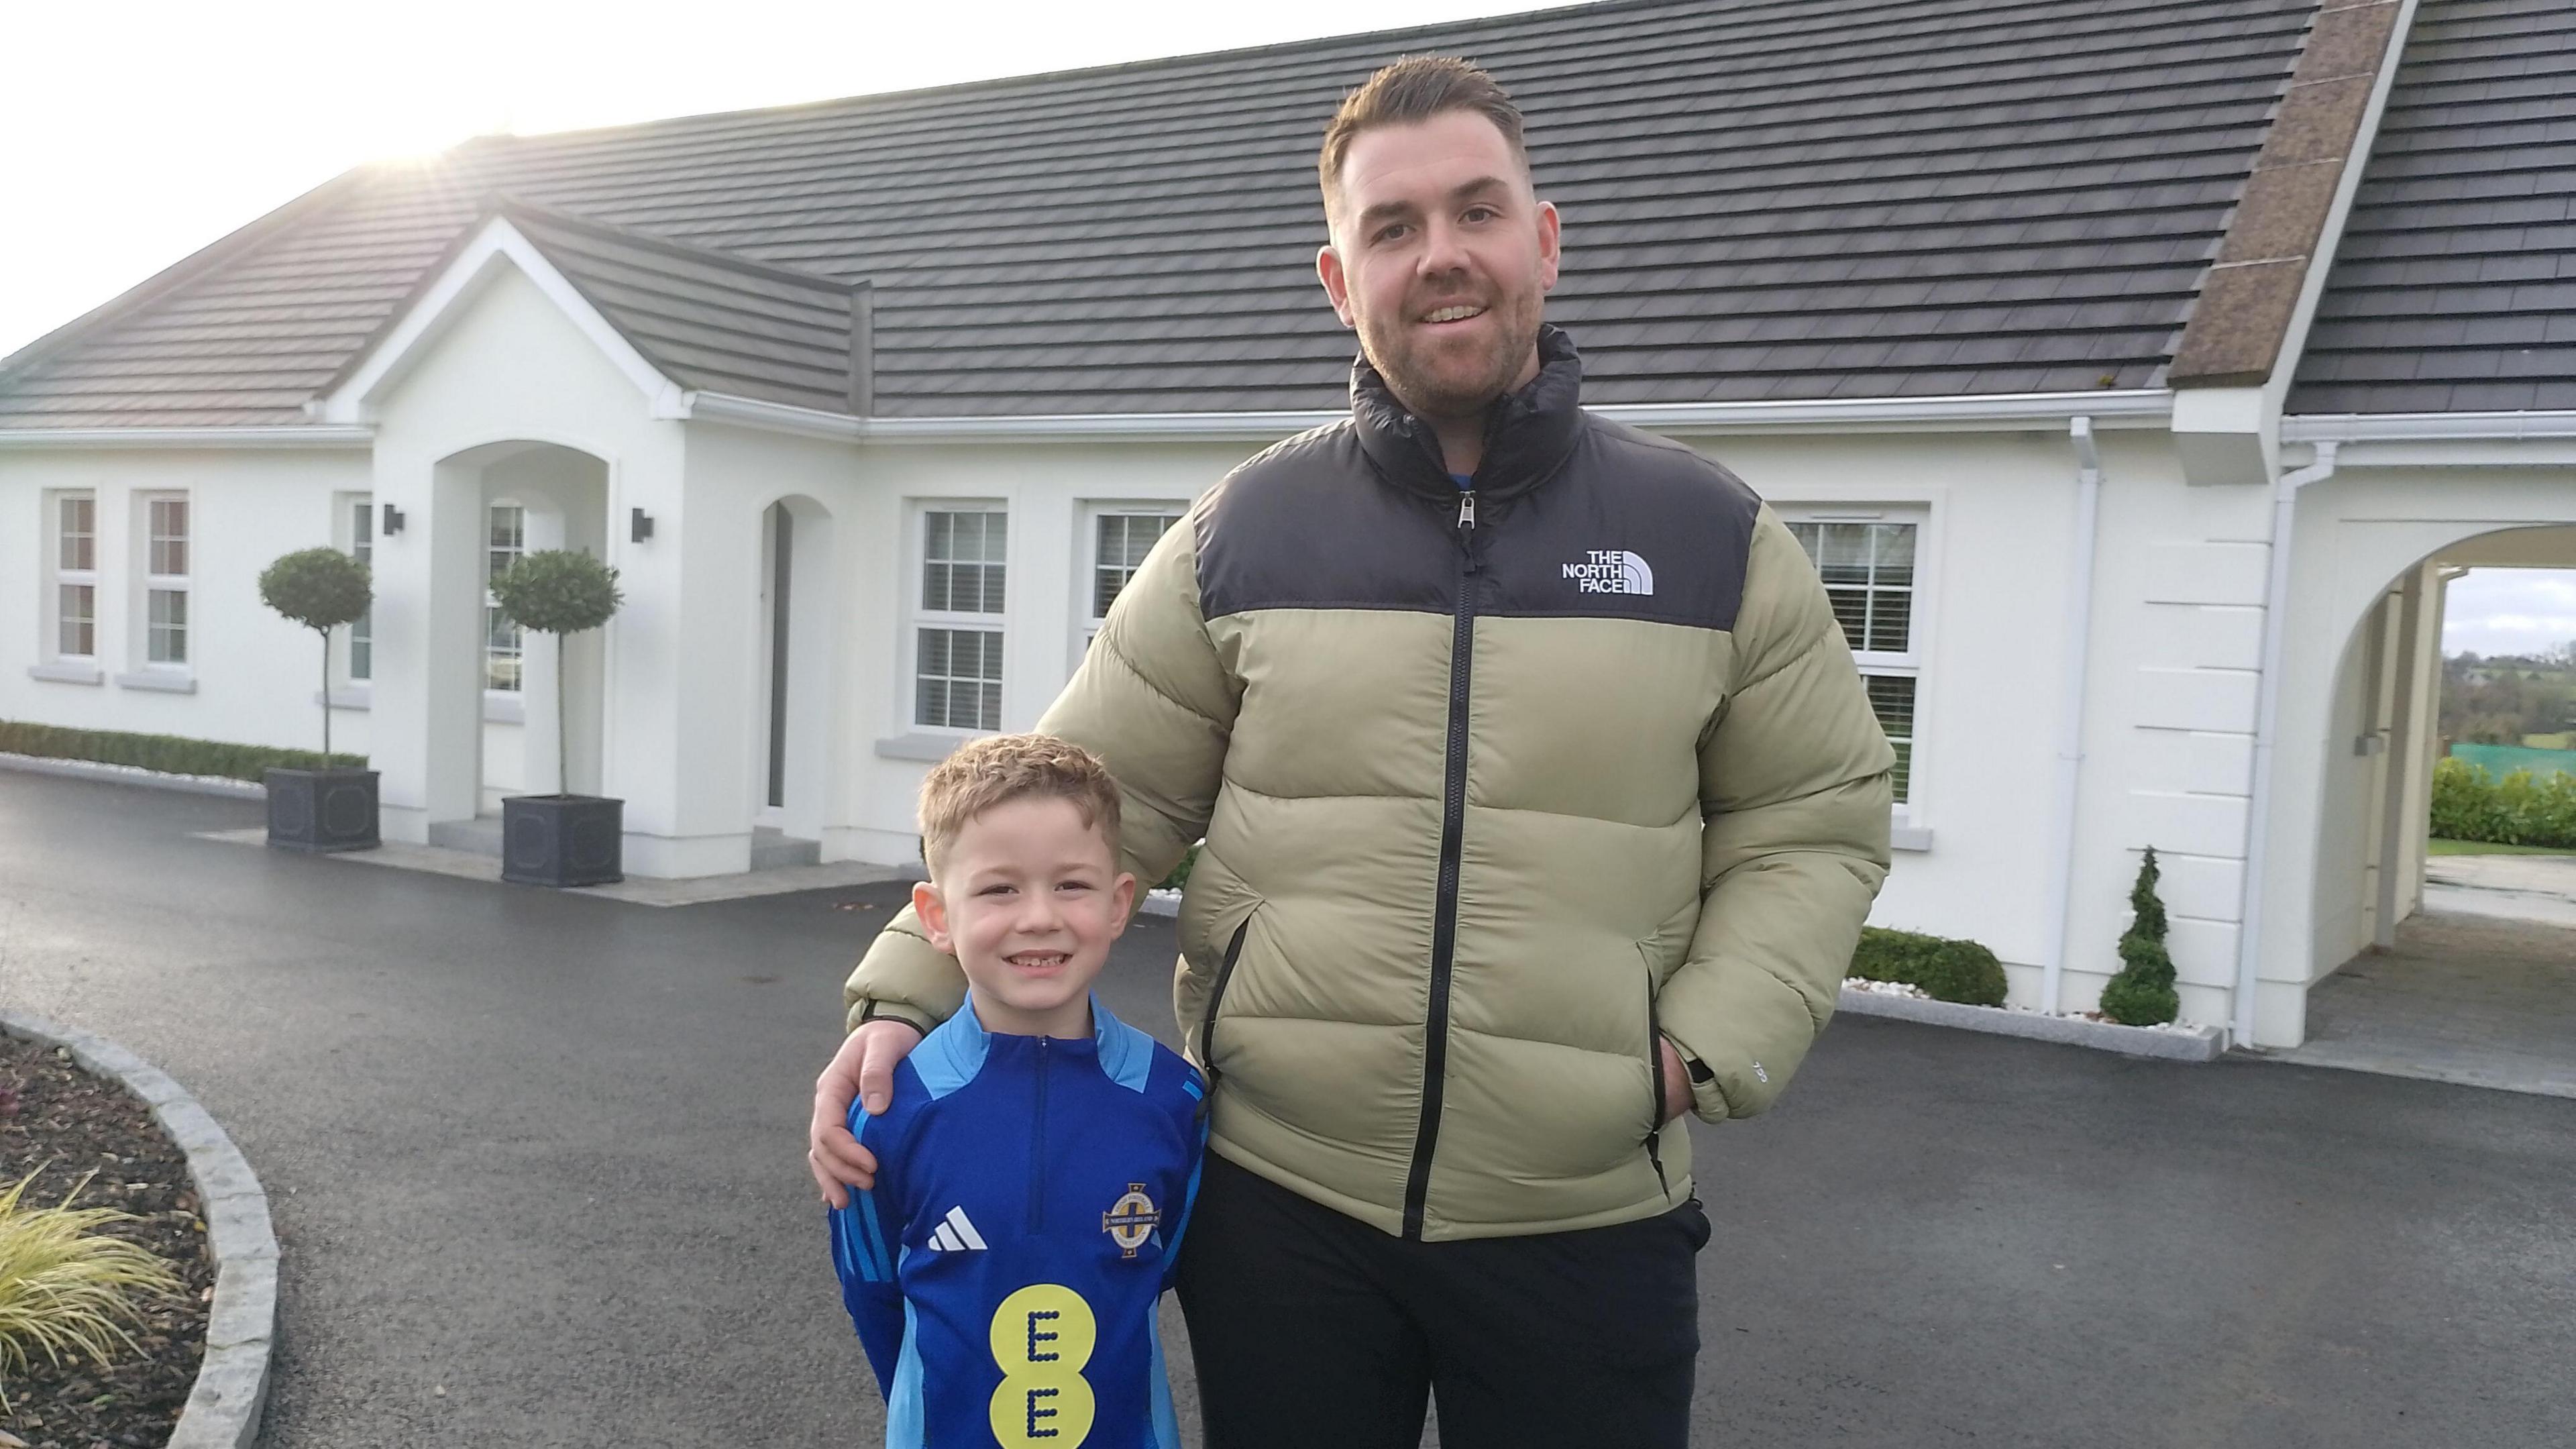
{"points": [[356, 696], [161, 681], [66, 673], [928, 749], [1909, 837], [502, 706]]}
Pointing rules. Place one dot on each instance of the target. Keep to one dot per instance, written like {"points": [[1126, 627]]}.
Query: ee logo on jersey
{"points": [[1043, 1335]]}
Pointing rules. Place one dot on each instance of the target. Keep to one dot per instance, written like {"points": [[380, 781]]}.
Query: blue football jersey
{"points": [[1027, 1213]]}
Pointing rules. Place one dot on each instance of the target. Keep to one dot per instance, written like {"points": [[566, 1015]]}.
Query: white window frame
{"points": [[59, 578], [153, 581], [519, 650], [1910, 662], [917, 618], [1087, 565], [356, 536]]}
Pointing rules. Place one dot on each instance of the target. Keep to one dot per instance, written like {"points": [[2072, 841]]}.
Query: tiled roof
{"points": [[709, 320], [1763, 199], [2455, 287]]}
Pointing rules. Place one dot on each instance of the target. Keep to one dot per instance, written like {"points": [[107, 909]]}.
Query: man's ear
{"points": [[1337, 285], [1550, 248], [933, 911]]}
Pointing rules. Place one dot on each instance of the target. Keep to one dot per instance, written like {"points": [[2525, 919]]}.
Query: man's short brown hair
{"points": [[998, 769], [1415, 89]]}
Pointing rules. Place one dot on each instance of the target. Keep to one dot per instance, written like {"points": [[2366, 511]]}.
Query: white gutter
{"points": [[2427, 427], [2010, 411], [263, 437], [2070, 709], [2267, 712]]}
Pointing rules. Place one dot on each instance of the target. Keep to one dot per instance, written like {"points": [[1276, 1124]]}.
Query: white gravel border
{"points": [[135, 775], [232, 1383], [2181, 1042]]}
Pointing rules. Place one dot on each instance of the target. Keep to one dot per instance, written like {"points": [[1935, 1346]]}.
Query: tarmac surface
{"points": [[537, 1166]]}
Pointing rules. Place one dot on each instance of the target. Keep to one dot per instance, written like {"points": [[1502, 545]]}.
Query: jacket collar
{"points": [[1527, 433]]}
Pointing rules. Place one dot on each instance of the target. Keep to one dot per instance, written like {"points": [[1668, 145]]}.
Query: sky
{"points": [[2509, 611], [141, 131]]}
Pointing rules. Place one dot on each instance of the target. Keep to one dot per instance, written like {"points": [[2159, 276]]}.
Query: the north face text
{"points": [[1612, 571]]}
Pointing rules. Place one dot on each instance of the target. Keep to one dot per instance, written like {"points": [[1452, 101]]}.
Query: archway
{"points": [[2417, 981], [492, 689]]}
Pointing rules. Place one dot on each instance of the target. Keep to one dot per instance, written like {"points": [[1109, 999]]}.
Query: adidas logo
{"points": [[955, 1234], [1612, 571]]}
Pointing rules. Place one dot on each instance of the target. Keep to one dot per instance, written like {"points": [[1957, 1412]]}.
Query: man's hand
{"points": [[1677, 1082], [863, 1071]]}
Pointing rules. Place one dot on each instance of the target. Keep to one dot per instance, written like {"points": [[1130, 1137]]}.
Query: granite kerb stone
{"points": [[223, 1408]]}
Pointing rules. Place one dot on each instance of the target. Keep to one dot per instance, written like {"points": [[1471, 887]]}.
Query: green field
{"points": [[2480, 847]]}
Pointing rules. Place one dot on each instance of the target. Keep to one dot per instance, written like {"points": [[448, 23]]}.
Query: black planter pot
{"points": [[322, 810], [563, 840]]}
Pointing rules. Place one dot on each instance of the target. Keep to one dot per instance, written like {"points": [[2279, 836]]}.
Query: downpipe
{"points": [[2070, 709], [2267, 712]]}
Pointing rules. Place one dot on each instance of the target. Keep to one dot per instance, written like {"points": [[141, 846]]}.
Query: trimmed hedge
{"points": [[1960, 971], [1180, 876], [2520, 809], [168, 754]]}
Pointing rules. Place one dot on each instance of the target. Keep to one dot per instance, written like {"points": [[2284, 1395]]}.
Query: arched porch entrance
{"points": [[2386, 977]]}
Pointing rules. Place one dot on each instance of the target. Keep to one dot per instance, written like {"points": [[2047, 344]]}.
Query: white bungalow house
{"points": [[2132, 374]]}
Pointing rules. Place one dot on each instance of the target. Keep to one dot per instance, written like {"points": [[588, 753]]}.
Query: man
{"points": [[1542, 804]]}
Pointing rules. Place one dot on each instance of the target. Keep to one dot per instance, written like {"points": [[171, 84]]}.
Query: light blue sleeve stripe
{"points": [[1167, 1424], [881, 1266], [904, 1411]]}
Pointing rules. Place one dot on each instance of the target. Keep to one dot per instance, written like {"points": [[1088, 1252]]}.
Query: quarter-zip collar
{"points": [[1528, 433]]}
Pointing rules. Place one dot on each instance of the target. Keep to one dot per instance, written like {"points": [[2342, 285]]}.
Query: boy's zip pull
{"points": [[1467, 509]]}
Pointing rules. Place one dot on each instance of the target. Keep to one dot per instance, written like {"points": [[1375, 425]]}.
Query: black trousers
{"points": [[1311, 1330]]}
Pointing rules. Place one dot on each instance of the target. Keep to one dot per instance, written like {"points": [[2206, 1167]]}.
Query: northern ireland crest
{"points": [[1131, 1220]]}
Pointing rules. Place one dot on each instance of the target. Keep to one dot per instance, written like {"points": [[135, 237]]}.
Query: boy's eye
{"points": [[994, 890], [1073, 885]]}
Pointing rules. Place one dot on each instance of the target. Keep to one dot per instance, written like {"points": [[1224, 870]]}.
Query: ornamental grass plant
{"points": [[66, 1288]]}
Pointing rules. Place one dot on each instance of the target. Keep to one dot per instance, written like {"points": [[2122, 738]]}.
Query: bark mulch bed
{"points": [[68, 1122]]}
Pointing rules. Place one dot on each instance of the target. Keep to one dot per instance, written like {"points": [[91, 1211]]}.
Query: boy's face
{"points": [[1028, 899]]}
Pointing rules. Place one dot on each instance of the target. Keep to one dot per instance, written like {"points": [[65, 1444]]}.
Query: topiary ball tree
{"points": [[2143, 993], [560, 592], [321, 589]]}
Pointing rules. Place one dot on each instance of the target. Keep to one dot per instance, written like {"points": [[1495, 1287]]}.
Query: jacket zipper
{"points": [[1444, 918], [1037, 1148], [1216, 998], [1655, 1075]]}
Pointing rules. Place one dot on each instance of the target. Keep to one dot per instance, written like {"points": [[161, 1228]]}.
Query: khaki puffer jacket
{"points": [[1496, 788]]}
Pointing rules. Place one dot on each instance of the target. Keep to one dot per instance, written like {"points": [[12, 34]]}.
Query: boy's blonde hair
{"points": [[998, 769]]}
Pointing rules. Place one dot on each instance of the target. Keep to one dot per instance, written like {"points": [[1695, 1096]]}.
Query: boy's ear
{"points": [[933, 911], [1125, 894]]}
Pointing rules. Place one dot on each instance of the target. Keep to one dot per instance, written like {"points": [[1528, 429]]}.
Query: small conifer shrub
{"points": [[2143, 993]]}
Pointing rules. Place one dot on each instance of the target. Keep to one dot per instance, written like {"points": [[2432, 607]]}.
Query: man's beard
{"points": [[1437, 386]]}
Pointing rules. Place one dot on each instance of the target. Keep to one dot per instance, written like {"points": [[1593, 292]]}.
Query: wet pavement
{"points": [[536, 1162]]}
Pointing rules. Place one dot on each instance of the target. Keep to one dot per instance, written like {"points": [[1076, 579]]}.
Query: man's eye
{"points": [[1388, 233], [1480, 213]]}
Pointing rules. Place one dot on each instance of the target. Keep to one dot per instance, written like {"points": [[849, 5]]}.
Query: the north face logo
{"points": [[1612, 571]]}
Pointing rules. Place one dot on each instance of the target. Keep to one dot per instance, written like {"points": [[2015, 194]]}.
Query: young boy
{"points": [[1039, 1157]]}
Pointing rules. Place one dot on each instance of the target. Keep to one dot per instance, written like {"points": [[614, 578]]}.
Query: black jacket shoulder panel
{"points": [[1630, 527], [1635, 527], [1307, 524]]}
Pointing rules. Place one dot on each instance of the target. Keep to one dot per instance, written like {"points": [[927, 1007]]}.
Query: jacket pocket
{"points": [[1654, 1073], [1216, 1001]]}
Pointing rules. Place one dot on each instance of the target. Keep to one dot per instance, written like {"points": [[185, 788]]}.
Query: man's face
{"points": [[1441, 254]]}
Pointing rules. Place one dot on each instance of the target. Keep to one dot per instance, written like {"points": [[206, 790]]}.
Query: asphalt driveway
{"points": [[536, 1162]]}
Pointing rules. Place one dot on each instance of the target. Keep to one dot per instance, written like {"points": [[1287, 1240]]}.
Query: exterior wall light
{"points": [[639, 525], [393, 522]]}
